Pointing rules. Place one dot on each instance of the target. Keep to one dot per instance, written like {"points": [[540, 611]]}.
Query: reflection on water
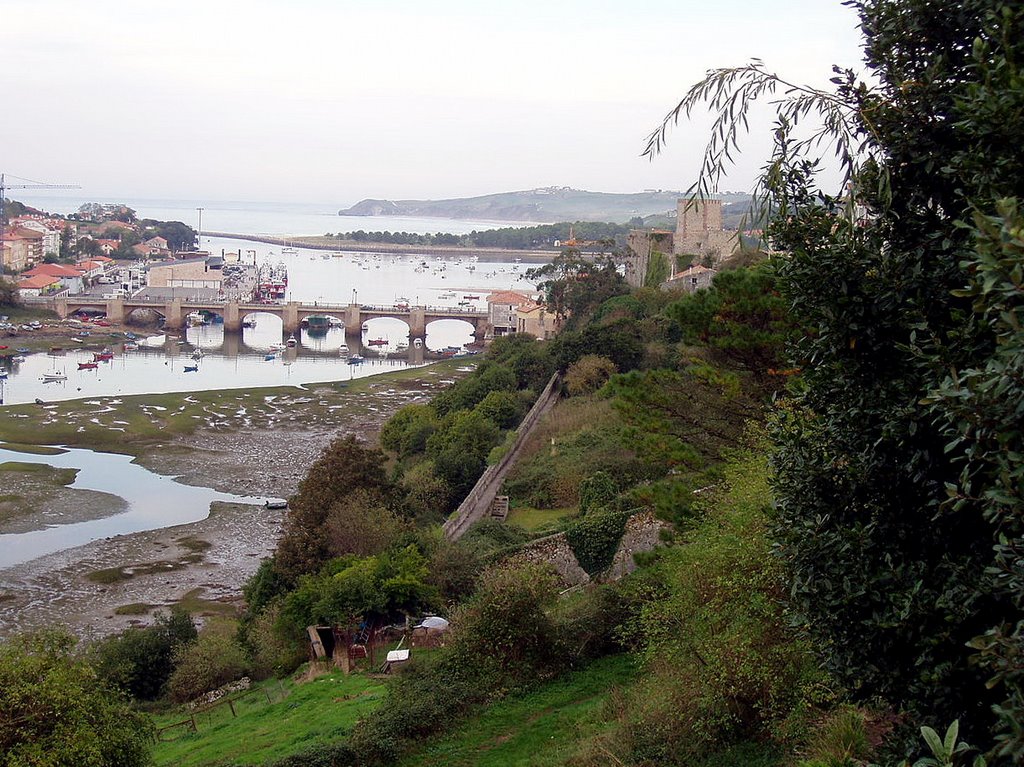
{"points": [[154, 501]]}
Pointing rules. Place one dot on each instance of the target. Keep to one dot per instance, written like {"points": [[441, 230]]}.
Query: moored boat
{"points": [[88, 365]]}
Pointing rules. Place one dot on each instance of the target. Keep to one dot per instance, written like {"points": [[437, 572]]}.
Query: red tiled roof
{"points": [[507, 297], [37, 282], [54, 270]]}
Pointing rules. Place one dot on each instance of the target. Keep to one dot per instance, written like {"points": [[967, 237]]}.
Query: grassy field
{"points": [[538, 520], [541, 729], [300, 715]]}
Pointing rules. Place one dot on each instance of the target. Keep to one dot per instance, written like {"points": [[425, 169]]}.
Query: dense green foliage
{"points": [[889, 572], [141, 660], [55, 712]]}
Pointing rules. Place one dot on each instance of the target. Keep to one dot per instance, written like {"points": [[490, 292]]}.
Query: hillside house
{"points": [[501, 310], [41, 285], [535, 319], [690, 280], [68, 276]]}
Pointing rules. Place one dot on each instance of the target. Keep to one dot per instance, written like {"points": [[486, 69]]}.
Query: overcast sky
{"points": [[336, 100]]}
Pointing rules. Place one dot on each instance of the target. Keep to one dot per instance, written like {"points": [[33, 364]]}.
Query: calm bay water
{"points": [[234, 361], [154, 501]]}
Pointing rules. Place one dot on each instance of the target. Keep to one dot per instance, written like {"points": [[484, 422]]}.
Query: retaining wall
{"points": [[478, 503]]}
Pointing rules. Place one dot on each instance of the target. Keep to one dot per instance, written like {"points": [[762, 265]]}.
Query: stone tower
{"points": [[699, 231]]}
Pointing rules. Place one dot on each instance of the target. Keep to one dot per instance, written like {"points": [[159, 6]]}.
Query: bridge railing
{"points": [[253, 305]]}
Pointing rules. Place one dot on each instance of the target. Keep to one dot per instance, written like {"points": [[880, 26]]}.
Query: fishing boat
{"points": [[197, 354], [355, 359], [104, 356], [472, 298], [88, 365], [17, 359], [291, 342], [269, 357], [377, 342], [3, 375], [343, 350], [191, 368], [417, 343], [131, 346], [55, 376]]}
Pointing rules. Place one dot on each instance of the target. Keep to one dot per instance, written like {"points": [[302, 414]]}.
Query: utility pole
{"points": [[200, 243]]}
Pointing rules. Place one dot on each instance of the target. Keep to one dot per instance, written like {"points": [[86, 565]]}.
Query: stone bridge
{"points": [[176, 310]]}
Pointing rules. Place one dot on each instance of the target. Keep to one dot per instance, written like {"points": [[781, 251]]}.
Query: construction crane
{"points": [[4, 186], [30, 185]]}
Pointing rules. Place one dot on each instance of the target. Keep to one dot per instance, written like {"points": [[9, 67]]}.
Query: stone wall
{"points": [[478, 503], [642, 533]]}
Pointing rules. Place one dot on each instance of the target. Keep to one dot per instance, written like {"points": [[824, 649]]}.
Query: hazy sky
{"points": [[336, 100]]}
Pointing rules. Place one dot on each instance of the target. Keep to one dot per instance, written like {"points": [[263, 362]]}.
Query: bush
{"points": [[723, 664], [214, 659], [141, 660], [597, 491], [54, 711], [595, 538], [588, 374], [270, 652]]}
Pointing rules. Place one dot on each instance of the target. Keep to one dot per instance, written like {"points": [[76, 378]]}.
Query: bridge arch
{"points": [[449, 332]]}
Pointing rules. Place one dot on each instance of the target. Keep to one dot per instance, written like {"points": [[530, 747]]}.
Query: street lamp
{"points": [[200, 227]]}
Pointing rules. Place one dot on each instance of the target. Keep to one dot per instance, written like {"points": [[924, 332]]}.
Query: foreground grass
{"points": [[541, 728], [301, 715]]}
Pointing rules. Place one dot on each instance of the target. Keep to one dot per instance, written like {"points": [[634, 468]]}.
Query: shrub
{"points": [[270, 652], [597, 491], [595, 538], [141, 660], [54, 711], [214, 659], [588, 374]]}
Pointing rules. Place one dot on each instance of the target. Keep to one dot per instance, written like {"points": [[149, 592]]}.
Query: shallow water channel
{"points": [[153, 500]]}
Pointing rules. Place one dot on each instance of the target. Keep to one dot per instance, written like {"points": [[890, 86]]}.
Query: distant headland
{"points": [[543, 205]]}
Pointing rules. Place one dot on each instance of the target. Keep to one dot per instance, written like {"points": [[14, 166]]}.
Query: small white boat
{"points": [[291, 342], [58, 376], [343, 350]]}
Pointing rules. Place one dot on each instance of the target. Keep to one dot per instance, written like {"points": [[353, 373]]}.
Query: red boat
{"points": [[377, 342], [87, 366], [103, 357], [472, 298]]}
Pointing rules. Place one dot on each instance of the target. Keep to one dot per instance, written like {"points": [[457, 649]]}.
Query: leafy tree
{"points": [[489, 376], [503, 408], [141, 660], [179, 236], [575, 286], [8, 293], [378, 588], [459, 449], [892, 574], [408, 430], [54, 711], [345, 466]]}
